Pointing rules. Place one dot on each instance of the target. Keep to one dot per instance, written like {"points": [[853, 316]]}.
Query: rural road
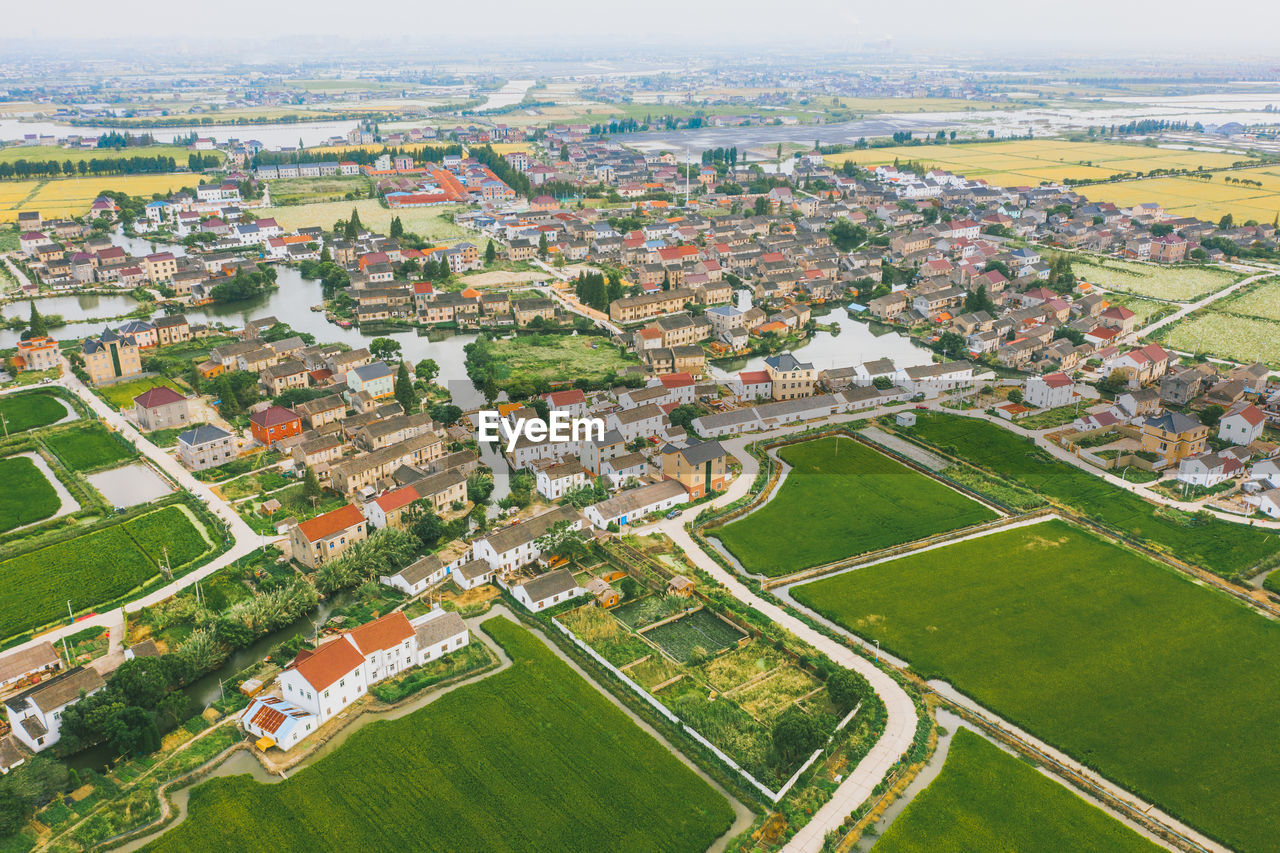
{"points": [[246, 539], [901, 722]]}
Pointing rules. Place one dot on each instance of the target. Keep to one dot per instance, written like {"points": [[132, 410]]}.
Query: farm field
{"points": [[535, 360], [88, 447], [42, 153], [1120, 662], [569, 772], [27, 495], [880, 502], [88, 569], [29, 411], [72, 196], [986, 799], [121, 394], [426, 222], [1221, 547], [1027, 162], [167, 534], [1242, 339], [1206, 199], [11, 195], [1176, 283], [317, 190]]}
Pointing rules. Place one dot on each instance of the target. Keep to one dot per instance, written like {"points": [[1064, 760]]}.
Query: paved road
{"points": [[246, 539], [900, 727]]}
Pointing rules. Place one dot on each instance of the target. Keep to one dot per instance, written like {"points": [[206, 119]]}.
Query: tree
{"points": [[796, 735], [630, 588], [979, 300], [397, 228], [683, 416], [405, 394], [446, 413], [561, 540], [1211, 414], [490, 253], [479, 488], [36, 326], [1015, 396], [1226, 222], [384, 349], [542, 245], [761, 207], [228, 405], [427, 370], [310, 484], [846, 236], [882, 383], [142, 681], [952, 345]]}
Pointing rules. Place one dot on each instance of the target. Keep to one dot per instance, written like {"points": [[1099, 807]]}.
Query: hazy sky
{"points": [[1020, 27]]}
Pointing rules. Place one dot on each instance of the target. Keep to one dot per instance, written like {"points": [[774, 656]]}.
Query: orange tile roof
{"points": [[323, 526], [383, 633], [392, 501], [328, 663]]}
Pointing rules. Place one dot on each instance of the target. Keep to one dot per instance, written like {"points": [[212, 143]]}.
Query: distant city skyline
{"points": [[1096, 27]]}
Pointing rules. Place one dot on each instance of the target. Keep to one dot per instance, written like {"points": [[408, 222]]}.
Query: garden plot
{"points": [[652, 608], [28, 411], [766, 698], [735, 668], [700, 633], [130, 485], [1172, 283], [606, 635], [651, 671]]}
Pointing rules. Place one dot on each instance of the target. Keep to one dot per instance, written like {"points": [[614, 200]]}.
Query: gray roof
{"points": [[58, 691], [437, 629], [473, 569], [516, 535], [203, 434], [552, 583], [696, 454], [28, 660], [787, 362], [631, 500], [420, 569]]}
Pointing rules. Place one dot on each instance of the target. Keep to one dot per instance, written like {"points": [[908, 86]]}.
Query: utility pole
{"points": [[70, 612], [5, 421]]}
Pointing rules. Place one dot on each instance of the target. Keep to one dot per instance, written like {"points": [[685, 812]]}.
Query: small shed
{"points": [[905, 419], [605, 595], [680, 585]]}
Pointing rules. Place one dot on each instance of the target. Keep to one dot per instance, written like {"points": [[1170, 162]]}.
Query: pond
{"points": [[130, 485]]}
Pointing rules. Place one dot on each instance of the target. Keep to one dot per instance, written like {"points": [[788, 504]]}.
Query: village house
{"points": [[1173, 436], [515, 546], [111, 357], [274, 424], [1049, 392], [555, 481], [1242, 424], [548, 590], [39, 353], [700, 468], [326, 537], [35, 715], [206, 446], [161, 407], [789, 378], [635, 504]]}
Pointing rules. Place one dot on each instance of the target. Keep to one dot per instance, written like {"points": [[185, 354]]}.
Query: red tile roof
{"points": [[753, 377], [274, 416], [676, 380], [323, 526], [566, 398], [384, 633], [392, 501], [328, 663], [161, 395], [1058, 380]]}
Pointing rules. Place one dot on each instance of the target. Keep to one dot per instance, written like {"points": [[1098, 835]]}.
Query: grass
{"points": [[1244, 327], [1120, 662], [43, 153], [292, 191], [89, 447], [879, 502], [121, 394], [89, 569], [27, 497], [700, 633], [30, 411], [605, 634], [427, 222], [985, 799], [554, 359], [570, 772], [1221, 547], [167, 535]]}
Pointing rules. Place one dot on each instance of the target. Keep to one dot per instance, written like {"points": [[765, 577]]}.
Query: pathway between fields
{"points": [[1200, 303]]}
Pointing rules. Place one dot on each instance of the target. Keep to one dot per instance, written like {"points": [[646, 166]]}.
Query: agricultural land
{"points": [[842, 498], [568, 772], [1123, 663]]}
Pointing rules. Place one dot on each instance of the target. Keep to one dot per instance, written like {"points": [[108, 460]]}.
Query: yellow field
{"points": [[1026, 162], [1208, 200], [509, 147], [56, 152], [426, 222], [13, 192], [72, 196]]}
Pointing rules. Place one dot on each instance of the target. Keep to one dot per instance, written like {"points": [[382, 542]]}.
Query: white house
{"points": [[548, 590], [574, 402], [1268, 503], [515, 546], [555, 481], [640, 422], [634, 504], [622, 468], [1209, 469], [16, 666], [282, 723], [387, 645], [472, 573], [933, 379], [1242, 424], [1049, 392], [437, 633], [35, 715], [417, 576]]}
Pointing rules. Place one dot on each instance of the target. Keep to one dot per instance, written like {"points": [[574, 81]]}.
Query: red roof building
{"points": [[274, 424]]}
